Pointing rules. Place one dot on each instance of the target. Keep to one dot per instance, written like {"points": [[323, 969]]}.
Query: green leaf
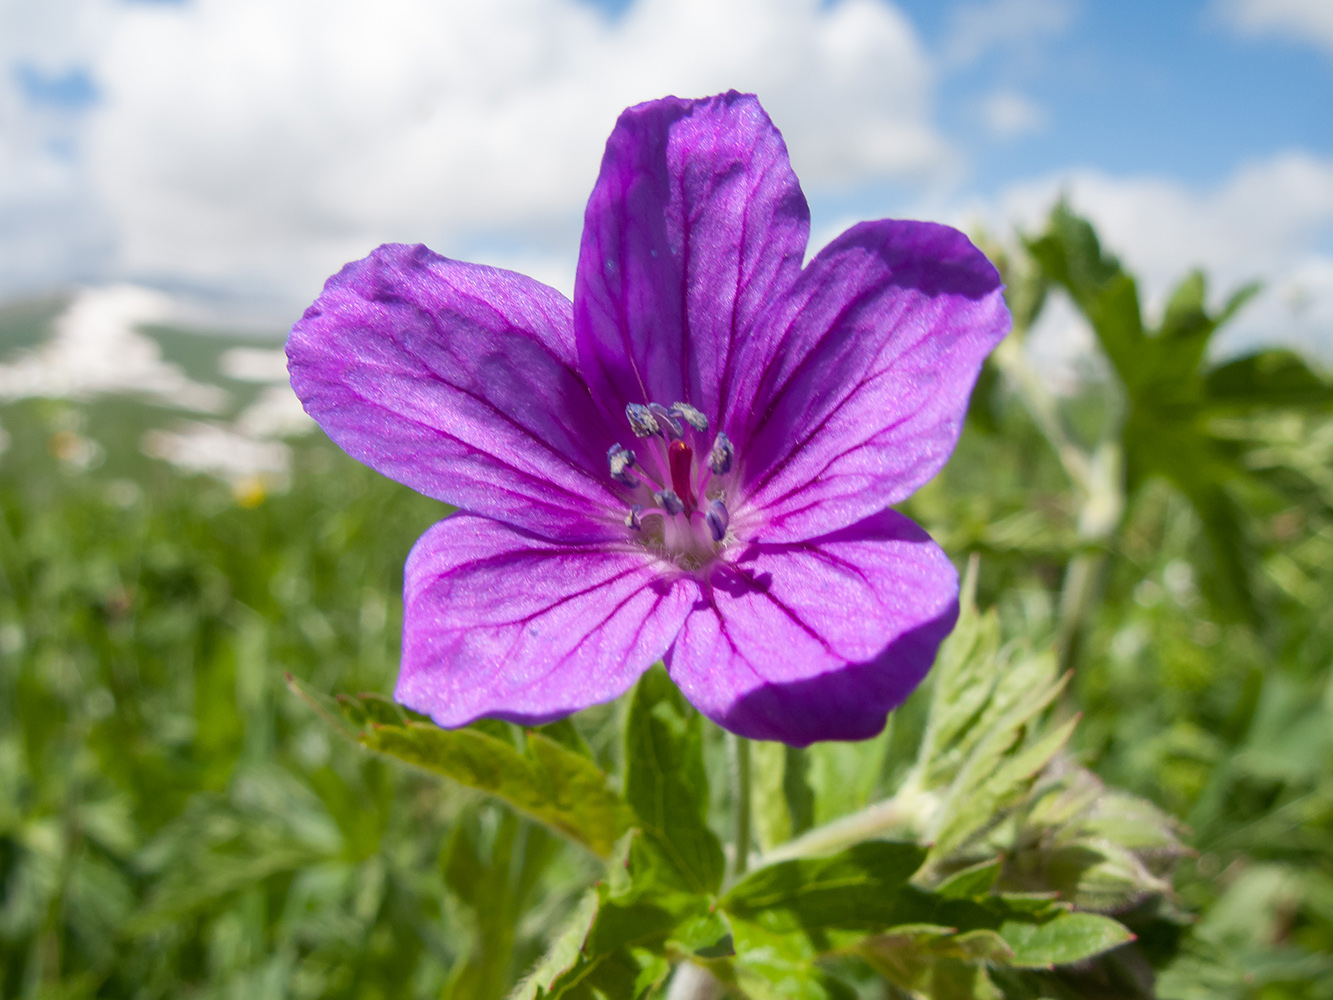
{"points": [[1070, 937], [561, 788], [1006, 760], [796, 790], [768, 802], [377, 709], [970, 883], [563, 953], [937, 962], [776, 966], [566, 734], [1273, 378], [621, 955], [666, 785], [865, 887], [707, 936], [601, 949], [965, 676]]}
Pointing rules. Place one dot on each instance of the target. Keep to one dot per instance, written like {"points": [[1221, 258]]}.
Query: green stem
{"points": [[1076, 604], [906, 814], [740, 749]]}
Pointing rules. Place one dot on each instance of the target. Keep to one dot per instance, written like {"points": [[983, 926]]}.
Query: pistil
{"points": [[681, 458], [693, 524]]}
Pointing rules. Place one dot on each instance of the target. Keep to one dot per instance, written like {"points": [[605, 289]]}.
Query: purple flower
{"points": [[692, 461]]}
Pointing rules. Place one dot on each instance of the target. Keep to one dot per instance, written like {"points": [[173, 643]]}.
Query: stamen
{"points": [[718, 519], [722, 455], [669, 425], [634, 519], [669, 502], [687, 413], [641, 420], [620, 460], [637, 475], [681, 459]]}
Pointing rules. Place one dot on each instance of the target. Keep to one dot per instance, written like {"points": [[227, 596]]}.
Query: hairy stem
{"points": [[907, 813]]}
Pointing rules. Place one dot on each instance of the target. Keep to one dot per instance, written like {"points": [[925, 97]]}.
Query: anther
{"points": [[620, 459], [669, 425], [722, 455], [718, 519], [641, 420], [687, 413], [669, 502], [634, 519]]}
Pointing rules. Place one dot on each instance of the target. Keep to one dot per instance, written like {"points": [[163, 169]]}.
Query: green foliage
{"points": [[174, 823], [1173, 390]]}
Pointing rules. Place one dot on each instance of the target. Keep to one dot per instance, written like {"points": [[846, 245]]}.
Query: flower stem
{"points": [[740, 805]]}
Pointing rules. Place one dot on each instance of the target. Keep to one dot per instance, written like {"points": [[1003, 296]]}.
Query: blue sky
{"points": [[239, 150], [1134, 86]]}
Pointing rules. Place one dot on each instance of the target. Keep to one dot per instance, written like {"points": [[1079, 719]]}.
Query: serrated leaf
{"points": [[997, 775], [666, 785], [1070, 937], [560, 788], [964, 679]]}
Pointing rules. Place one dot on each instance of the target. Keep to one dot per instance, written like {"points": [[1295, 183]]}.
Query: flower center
{"points": [[677, 500]]}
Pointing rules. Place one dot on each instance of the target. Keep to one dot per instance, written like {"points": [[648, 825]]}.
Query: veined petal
{"points": [[860, 398], [459, 381], [499, 623], [695, 224], [818, 640]]}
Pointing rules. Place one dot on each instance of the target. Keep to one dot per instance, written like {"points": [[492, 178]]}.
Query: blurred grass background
{"points": [[173, 823]]}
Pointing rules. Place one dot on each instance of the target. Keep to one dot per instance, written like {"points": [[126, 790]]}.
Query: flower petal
{"points": [[458, 380], [861, 397], [695, 224], [819, 640], [499, 623]]}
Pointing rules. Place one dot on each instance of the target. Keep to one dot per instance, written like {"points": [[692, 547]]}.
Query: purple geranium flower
{"points": [[692, 462]]}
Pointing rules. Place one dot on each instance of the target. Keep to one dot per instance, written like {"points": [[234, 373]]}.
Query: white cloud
{"points": [[217, 450], [53, 231], [262, 144], [1007, 114], [1270, 220], [254, 364], [1309, 21], [95, 349], [978, 28]]}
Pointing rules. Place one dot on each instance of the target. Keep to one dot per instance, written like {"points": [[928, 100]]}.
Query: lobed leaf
{"points": [[548, 780], [1070, 937]]}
